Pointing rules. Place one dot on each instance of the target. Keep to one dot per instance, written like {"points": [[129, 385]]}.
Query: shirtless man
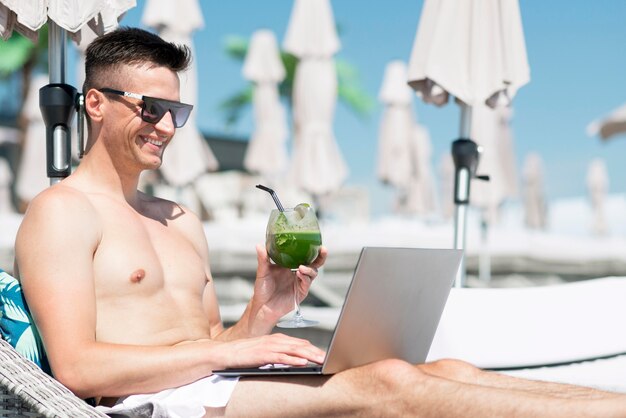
{"points": [[120, 287]]}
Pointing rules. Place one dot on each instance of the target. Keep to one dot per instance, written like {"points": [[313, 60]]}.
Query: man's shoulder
{"points": [[60, 207], [59, 199], [58, 214]]}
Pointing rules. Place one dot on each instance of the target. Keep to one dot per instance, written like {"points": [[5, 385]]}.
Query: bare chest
{"points": [[139, 256]]}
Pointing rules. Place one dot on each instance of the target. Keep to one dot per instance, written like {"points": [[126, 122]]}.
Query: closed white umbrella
{"points": [[396, 128], [533, 194], [311, 30], [609, 126], [598, 188], [473, 50], [491, 129], [421, 194], [27, 17], [31, 175], [188, 156], [395, 139], [267, 152], [317, 166]]}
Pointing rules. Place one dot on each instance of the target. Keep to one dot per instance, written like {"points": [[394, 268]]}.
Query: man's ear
{"points": [[93, 105]]}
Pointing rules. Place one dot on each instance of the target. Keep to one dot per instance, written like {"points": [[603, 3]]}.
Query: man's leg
{"points": [[393, 388], [461, 371]]}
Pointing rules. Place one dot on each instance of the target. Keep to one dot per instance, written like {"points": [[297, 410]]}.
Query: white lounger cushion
{"points": [[524, 327], [606, 374]]}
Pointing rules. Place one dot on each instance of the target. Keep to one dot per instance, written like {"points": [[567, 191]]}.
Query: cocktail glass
{"points": [[293, 238]]}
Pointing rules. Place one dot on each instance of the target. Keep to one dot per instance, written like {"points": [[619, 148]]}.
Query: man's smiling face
{"points": [[138, 142]]}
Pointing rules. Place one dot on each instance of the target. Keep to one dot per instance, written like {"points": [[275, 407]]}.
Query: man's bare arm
{"points": [[257, 320], [273, 298], [54, 249]]}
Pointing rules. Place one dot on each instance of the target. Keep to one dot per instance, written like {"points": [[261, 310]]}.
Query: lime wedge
{"points": [[302, 209]]}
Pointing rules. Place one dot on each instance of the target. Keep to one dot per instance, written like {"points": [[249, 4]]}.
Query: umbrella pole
{"points": [[57, 39], [466, 121], [57, 104], [465, 156], [461, 199]]}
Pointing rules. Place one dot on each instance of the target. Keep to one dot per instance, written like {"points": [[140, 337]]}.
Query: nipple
{"points": [[137, 275]]}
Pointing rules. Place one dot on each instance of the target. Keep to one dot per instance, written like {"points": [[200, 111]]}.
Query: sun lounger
{"points": [[26, 391], [534, 326], [606, 373], [540, 332]]}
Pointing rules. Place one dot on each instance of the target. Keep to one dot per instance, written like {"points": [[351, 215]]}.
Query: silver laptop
{"points": [[391, 310]]}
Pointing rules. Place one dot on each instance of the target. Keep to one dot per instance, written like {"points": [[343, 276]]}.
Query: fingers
{"points": [[296, 349], [276, 348], [321, 258], [262, 260], [268, 349], [307, 273], [311, 270], [298, 357], [261, 254]]}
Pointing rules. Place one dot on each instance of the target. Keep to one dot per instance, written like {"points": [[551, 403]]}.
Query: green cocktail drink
{"points": [[293, 236], [292, 239], [294, 248]]}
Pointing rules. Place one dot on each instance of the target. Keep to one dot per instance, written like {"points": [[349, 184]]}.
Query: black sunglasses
{"points": [[153, 109]]}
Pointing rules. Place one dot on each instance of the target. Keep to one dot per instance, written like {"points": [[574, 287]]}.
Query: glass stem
{"points": [[297, 316]]}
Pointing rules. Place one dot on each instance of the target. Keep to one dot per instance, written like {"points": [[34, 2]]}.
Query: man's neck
{"points": [[98, 171]]}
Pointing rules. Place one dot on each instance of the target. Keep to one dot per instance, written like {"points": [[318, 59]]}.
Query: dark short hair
{"points": [[130, 46]]}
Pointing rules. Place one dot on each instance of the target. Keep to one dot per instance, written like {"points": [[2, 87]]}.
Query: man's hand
{"points": [[268, 349], [274, 287]]}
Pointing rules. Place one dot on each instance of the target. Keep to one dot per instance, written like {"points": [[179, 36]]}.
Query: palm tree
{"points": [[349, 91]]}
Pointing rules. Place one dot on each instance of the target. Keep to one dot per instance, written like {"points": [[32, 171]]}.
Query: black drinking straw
{"points": [[273, 193]]}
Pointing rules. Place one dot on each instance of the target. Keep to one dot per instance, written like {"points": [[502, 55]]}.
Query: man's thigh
{"points": [[343, 394], [272, 397]]}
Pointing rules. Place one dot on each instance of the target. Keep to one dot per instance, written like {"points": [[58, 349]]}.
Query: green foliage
{"points": [[14, 53], [236, 47], [349, 91], [18, 51], [233, 106]]}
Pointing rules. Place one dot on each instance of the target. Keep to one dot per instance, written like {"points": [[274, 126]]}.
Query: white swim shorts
{"points": [[186, 401]]}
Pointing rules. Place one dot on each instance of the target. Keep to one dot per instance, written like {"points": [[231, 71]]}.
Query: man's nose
{"points": [[166, 124]]}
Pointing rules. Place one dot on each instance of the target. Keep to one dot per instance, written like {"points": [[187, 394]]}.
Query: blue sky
{"points": [[578, 73]]}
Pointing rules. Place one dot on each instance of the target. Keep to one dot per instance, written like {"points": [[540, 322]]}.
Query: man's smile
{"points": [[156, 142]]}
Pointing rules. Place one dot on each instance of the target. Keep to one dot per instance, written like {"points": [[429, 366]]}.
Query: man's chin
{"points": [[155, 166], [153, 163]]}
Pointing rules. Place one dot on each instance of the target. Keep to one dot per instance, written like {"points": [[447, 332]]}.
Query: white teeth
{"points": [[154, 142]]}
